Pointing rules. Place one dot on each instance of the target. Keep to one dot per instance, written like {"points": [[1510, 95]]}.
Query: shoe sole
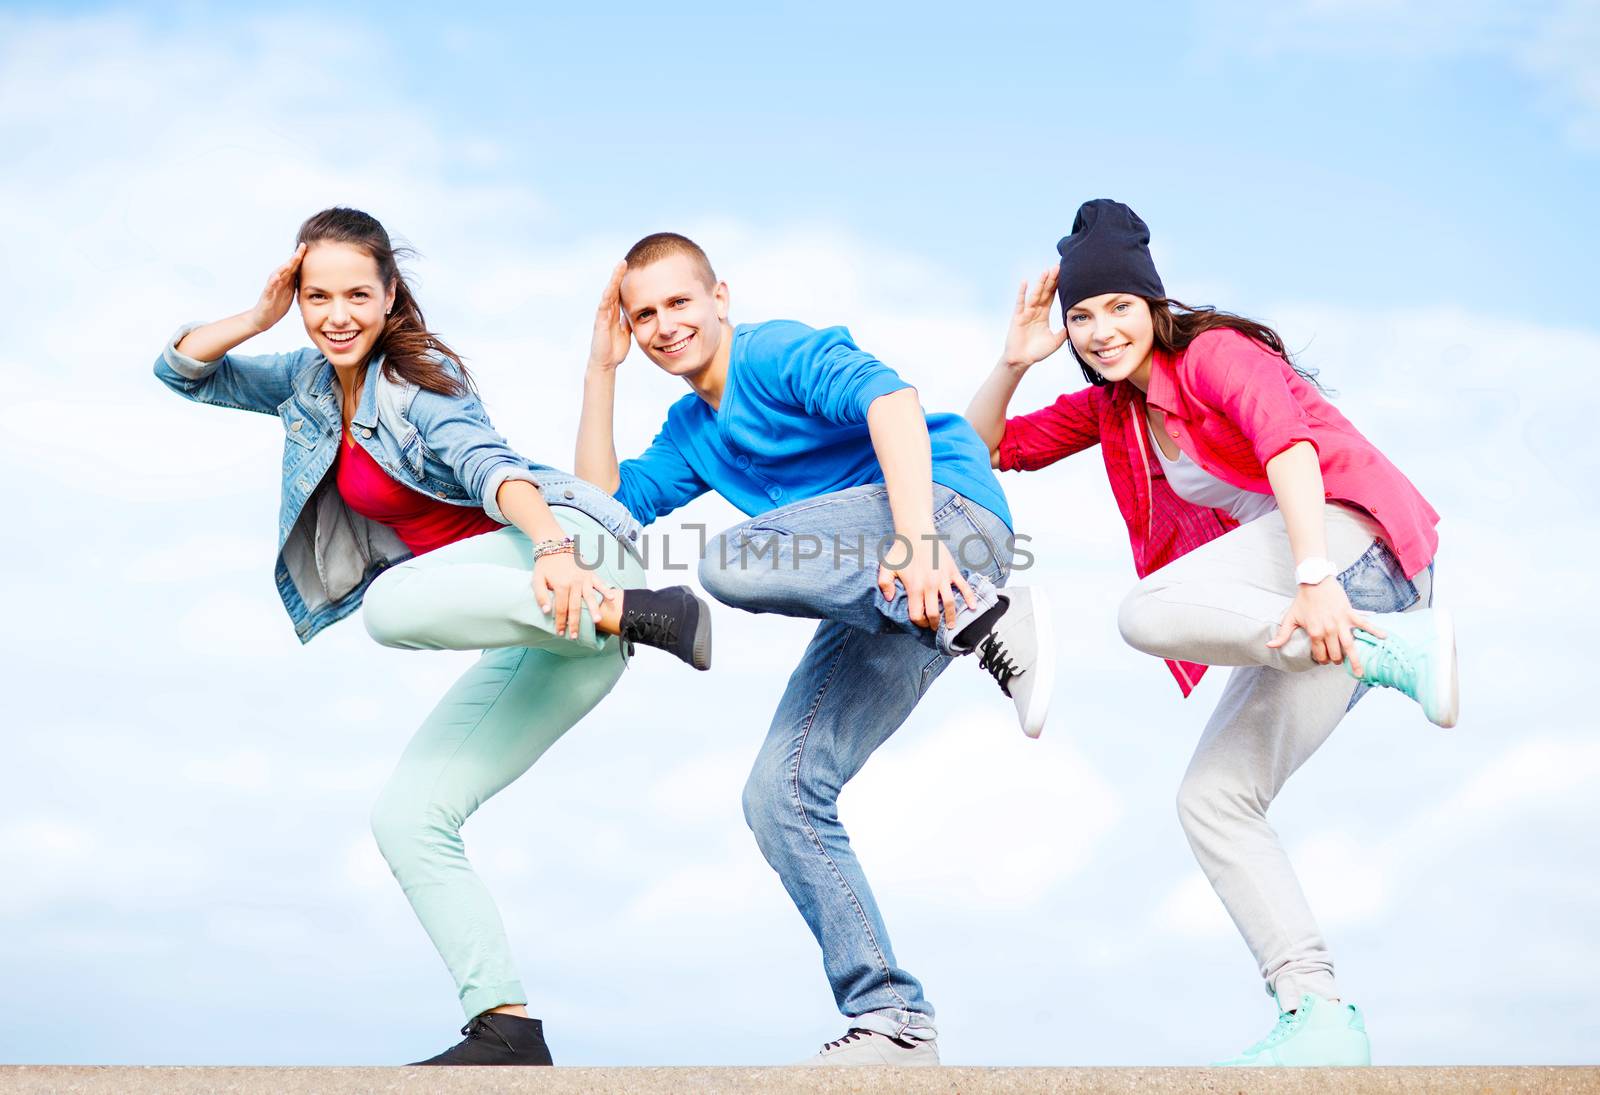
{"points": [[1044, 665], [702, 636], [1447, 682]]}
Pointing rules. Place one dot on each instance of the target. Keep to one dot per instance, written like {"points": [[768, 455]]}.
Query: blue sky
{"points": [[1403, 190]]}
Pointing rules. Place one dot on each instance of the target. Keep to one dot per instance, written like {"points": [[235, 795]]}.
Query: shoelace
{"points": [[997, 662], [651, 628], [1390, 665], [1287, 1021], [475, 1030], [854, 1034]]}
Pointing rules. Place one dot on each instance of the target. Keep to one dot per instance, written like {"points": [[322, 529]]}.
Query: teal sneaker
{"points": [[1418, 657], [1317, 1034]]}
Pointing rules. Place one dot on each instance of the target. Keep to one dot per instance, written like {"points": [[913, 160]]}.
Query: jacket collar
{"points": [[324, 388], [367, 408], [1164, 391]]}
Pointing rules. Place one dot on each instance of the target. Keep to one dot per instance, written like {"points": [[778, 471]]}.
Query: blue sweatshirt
{"points": [[792, 426]]}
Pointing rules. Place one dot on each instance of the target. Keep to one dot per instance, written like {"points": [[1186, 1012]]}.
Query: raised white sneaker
{"points": [[868, 1047], [1020, 654]]}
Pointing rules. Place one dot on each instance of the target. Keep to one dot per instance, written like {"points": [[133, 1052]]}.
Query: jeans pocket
{"points": [[1376, 583], [974, 547]]}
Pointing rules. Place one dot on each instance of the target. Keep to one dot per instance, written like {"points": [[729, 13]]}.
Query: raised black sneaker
{"points": [[1019, 652], [495, 1038], [671, 619]]}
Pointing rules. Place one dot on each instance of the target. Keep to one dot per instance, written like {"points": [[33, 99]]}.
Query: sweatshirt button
{"points": [[366, 433], [743, 462], [569, 495], [633, 534], [295, 426], [774, 493]]}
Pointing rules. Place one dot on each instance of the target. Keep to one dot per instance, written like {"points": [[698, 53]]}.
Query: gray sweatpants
{"points": [[1219, 605]]}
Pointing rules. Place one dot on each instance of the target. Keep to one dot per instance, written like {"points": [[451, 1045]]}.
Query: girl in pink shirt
{"points": [[1269, 535]]}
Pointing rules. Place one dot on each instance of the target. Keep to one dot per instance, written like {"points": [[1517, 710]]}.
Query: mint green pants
{"points": [[526, 690]]}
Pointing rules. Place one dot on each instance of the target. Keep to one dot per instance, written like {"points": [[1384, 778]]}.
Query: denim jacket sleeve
{"points": [[244, 382], [659, 480], [457, 430]]}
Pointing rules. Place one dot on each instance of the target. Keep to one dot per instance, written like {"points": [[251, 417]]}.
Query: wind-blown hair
{"points": [[1177, 324], [410, 351]]}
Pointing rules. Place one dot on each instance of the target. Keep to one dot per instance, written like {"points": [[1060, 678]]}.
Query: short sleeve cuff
{"points": [[498, 478], [884, 382], [1276, 442]]}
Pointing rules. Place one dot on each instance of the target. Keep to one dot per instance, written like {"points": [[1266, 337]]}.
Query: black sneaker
{"points": [[495, 1038], [1019, 653], [671, 619]]}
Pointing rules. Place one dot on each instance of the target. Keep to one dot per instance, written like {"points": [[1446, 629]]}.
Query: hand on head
{"points": [[609, 346], [279, 293], [1030, 338]]}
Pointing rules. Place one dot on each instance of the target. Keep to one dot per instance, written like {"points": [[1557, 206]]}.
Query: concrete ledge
{"points": [[73, 1080]]}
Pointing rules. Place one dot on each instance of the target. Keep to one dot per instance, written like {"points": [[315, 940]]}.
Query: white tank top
{"points": [[1193, 483]]}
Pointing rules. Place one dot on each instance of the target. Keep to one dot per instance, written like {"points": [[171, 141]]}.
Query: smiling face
{"points": [[343, 301], [676, 314], [1114, 334]]}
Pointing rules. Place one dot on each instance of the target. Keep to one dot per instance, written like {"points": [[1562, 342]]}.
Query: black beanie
{"points": [[1107, 252]]}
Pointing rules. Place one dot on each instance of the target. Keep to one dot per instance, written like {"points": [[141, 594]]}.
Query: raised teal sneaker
{"points": [[1317, 1034], [1418, 657]]}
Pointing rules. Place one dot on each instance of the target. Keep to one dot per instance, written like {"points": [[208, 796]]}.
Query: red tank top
{"points": [[423, 523]]}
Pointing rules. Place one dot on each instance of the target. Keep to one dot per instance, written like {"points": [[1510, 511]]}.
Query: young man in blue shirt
{"points": [[886, 524]]}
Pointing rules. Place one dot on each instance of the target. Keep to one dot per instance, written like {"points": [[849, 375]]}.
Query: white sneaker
{"points": [[868, 1047], [1020, 654]]}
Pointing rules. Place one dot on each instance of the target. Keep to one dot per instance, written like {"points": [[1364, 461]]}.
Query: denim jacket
{"points": [[443, 446]]}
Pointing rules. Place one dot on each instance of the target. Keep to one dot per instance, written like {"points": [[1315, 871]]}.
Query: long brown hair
{"points": [[1177, 324], [410, 351]]}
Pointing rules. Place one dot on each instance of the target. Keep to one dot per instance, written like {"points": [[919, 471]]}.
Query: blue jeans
{"points": [[866, 669]]}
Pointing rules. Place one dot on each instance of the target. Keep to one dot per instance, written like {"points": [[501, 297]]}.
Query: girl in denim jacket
{"points": [[1269, 535], [398, 491]]}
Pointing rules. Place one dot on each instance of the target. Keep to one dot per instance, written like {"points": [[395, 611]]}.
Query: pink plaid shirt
{"points": [[1231, 405]]}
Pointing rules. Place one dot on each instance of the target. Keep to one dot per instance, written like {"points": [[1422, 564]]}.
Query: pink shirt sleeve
{"points": [[1250, 386], [1070, 424]]}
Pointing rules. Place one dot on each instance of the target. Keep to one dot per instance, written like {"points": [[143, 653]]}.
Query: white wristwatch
{"points": [[1312, 572]]}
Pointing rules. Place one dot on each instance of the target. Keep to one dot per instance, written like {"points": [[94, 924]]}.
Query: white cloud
{"points": [[1191, 910], [248, 769], [1553, 42], [1560, 53], [974, 815], [229, 624]]}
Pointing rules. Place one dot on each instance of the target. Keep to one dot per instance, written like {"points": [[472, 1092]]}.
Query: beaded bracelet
{"points": [[564, 546]]}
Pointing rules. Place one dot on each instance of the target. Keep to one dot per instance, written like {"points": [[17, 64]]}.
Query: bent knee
{"points": [[760, 801], [384, 612], [406, 828], [724, 572], [1209, 799], [1141, 618]]}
